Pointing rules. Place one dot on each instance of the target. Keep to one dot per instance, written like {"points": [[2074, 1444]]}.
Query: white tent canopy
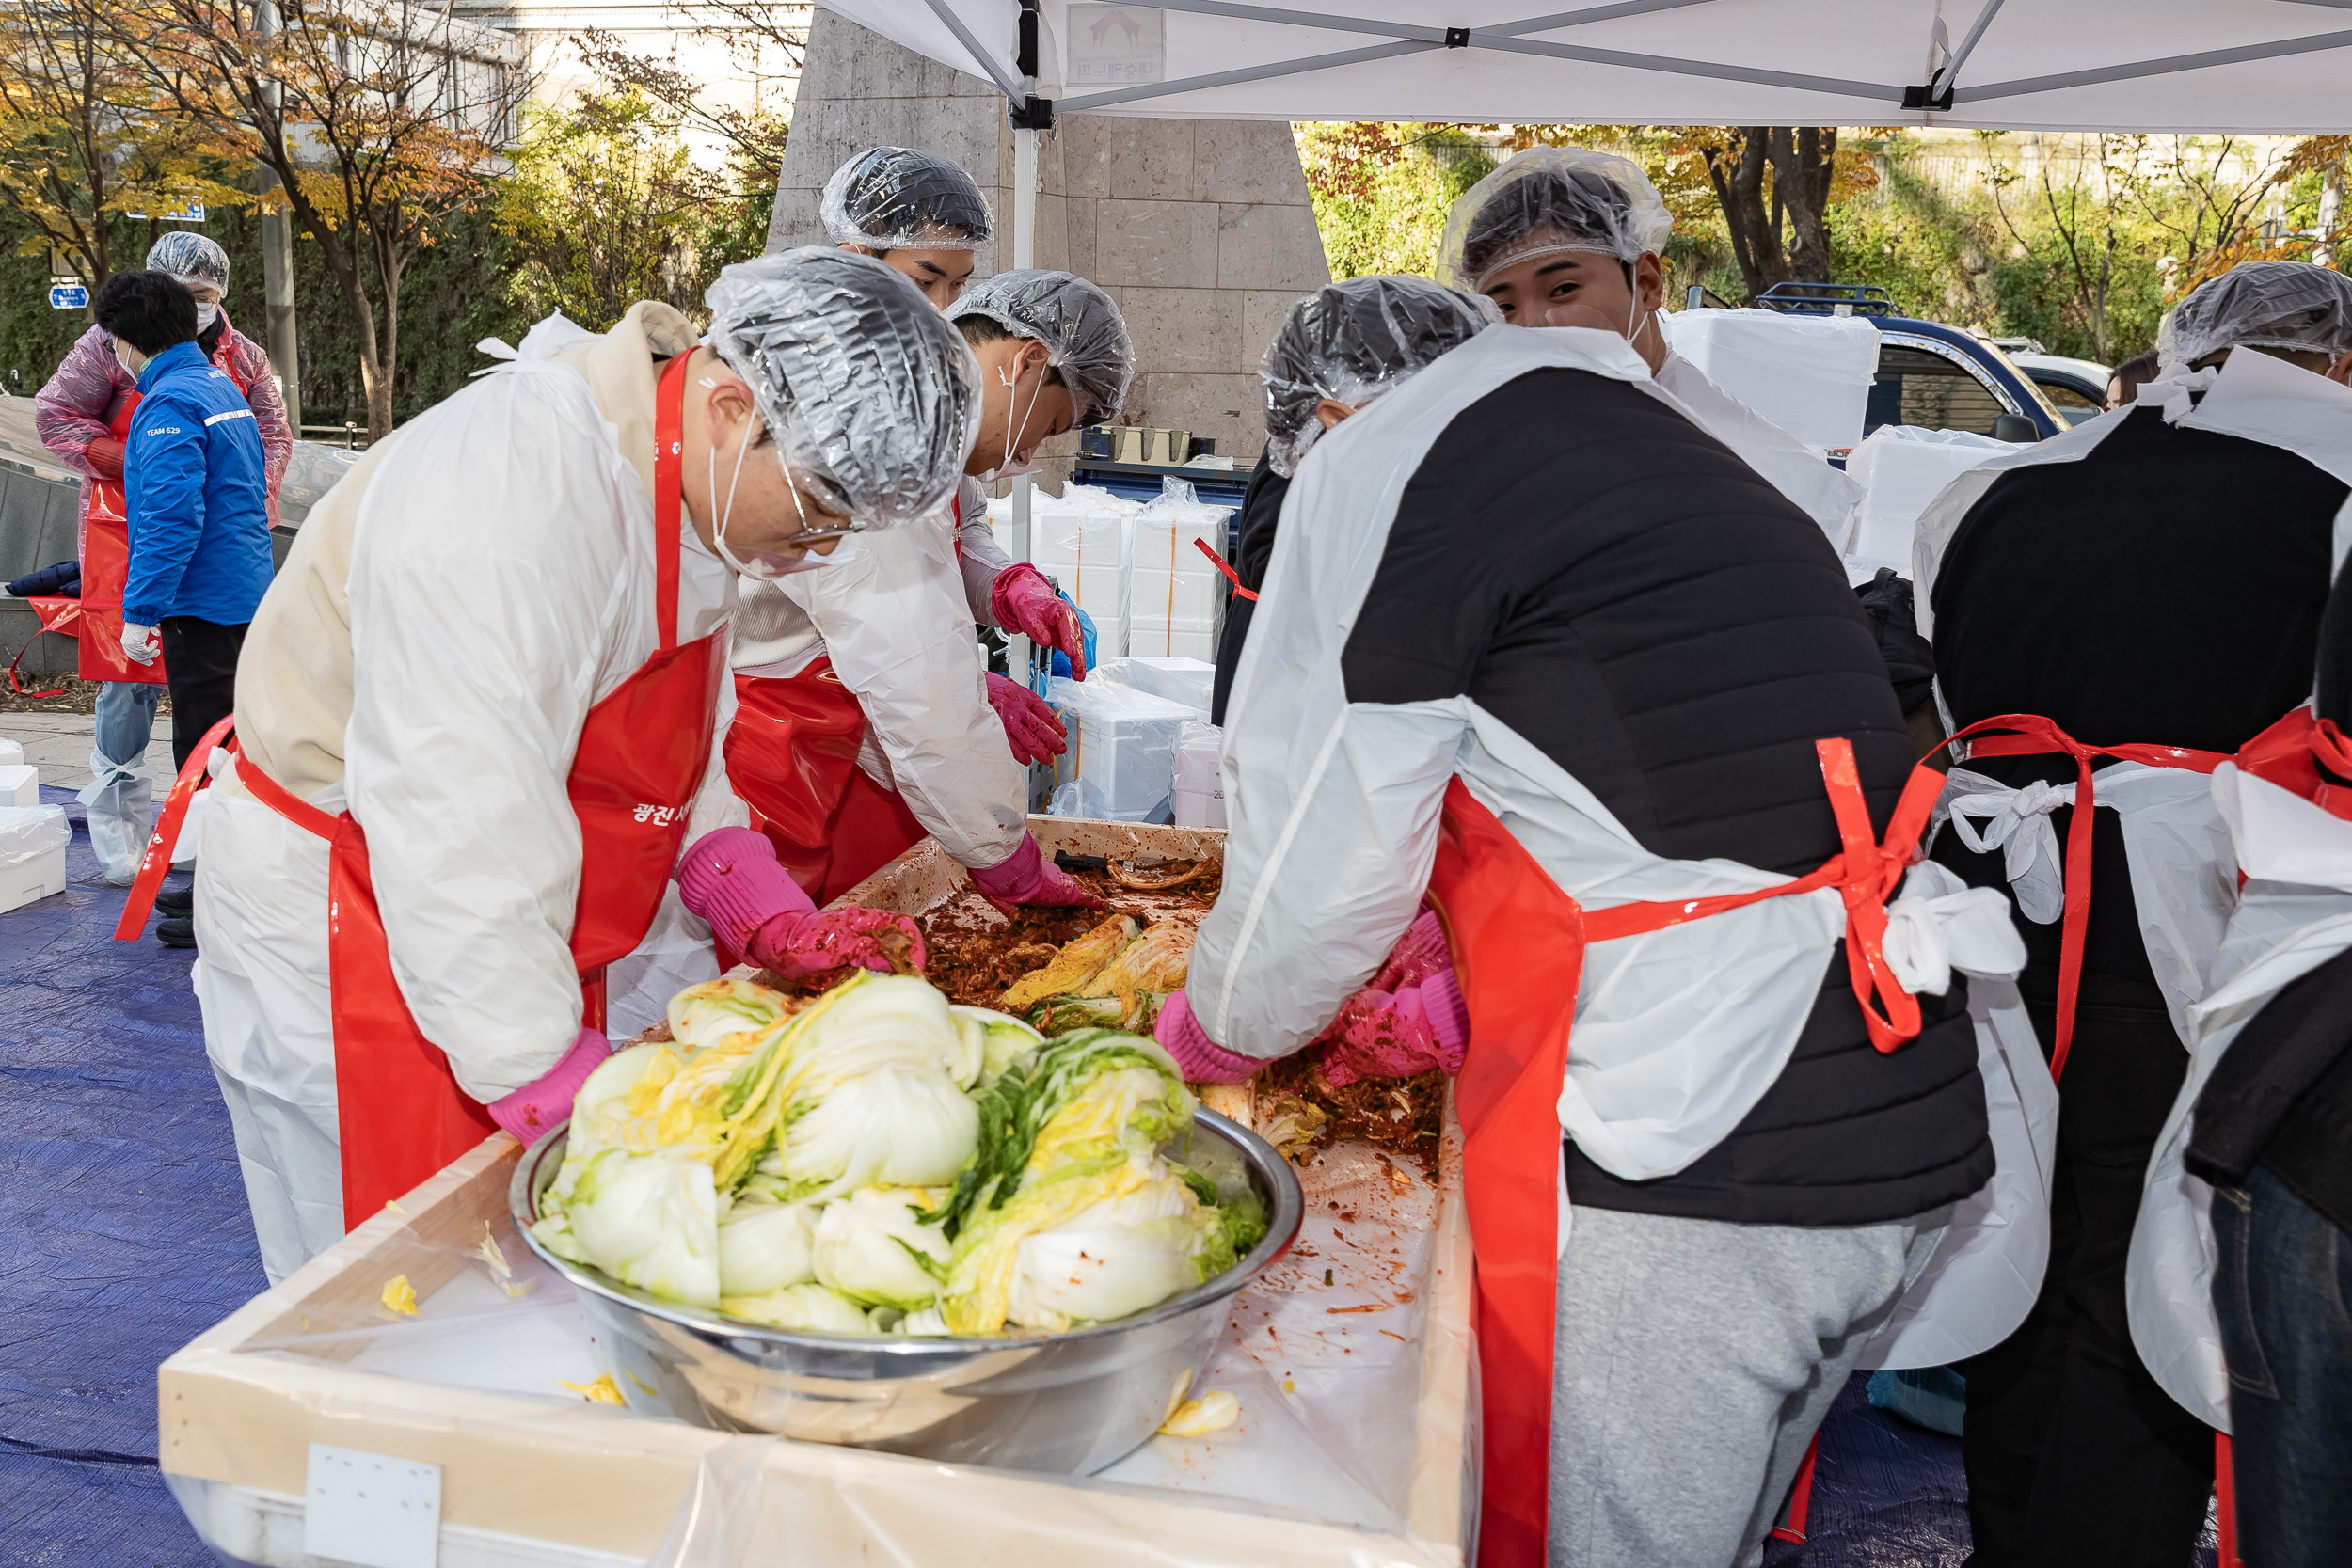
{"points": [[2029, 65]]}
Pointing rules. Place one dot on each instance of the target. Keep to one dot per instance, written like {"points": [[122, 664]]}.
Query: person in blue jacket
{"points": [[195, 481]]}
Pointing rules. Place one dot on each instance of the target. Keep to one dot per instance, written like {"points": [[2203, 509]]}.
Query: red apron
{"points": [[792, 757], [1519, 951], [106, 572], [640, 758]]}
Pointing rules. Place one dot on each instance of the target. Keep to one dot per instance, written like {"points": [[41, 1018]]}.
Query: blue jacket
{"points": [[193, 475]]}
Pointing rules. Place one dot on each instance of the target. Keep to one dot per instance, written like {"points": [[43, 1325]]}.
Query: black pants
{"points": [[200, 667], [2075, 1456]]}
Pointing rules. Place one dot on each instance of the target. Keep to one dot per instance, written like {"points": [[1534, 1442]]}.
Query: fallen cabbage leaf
{"points": [[1078, 962], [1212, 1412], [601, 1390]]}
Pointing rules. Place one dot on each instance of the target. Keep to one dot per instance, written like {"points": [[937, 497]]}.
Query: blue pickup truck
{"points": [[1928, 374]]}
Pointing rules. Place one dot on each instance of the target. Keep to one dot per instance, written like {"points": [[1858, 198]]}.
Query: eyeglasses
{"points": [[817, 535]]}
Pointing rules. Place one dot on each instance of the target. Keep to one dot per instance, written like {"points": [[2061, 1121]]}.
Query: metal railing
{"points": [[350, 429]]}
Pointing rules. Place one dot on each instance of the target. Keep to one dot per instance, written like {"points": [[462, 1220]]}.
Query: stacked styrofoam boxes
{"points": [[1175, 597], [1080, 540]]}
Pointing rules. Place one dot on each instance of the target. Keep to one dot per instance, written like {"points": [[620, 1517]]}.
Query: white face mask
{"points": [[765, 565], [205, 315], [1010, 467]]}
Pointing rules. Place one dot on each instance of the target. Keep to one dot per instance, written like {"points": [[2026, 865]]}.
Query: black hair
{"points": [[150, 310], [2133, 372], [978, 329]]}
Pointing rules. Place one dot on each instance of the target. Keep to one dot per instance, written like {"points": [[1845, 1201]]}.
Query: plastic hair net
{"points": [[868, 391], [1085, 337], [1547, 200], [1351, 342], [893, 197], [2291, 305], [192, 258]]}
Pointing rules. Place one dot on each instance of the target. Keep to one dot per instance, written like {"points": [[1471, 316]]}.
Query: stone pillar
{"points": [[1201, 228]]}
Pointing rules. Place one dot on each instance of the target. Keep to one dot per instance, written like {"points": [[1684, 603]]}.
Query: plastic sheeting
{"points": [[1810, 375], [125, 1224]]}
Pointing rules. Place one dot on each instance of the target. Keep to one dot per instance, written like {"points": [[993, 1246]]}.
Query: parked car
{"points": [[1930, 374], [2078, 388]]}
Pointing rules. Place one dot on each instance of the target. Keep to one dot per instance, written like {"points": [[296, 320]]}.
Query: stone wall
{"points": [[1199, 228]]}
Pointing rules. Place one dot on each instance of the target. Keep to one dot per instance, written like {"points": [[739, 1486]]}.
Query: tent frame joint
{"points": [[1031, 113]]}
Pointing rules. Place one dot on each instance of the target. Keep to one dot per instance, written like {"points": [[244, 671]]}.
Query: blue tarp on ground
{"points": [[124, 1235], [123, 1226]]}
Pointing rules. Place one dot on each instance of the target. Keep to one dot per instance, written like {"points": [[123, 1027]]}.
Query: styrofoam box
{"points": [[1200, 809], [1172, 643], [1154, 593], [1189, 681], [1122, 751], [20, 784], [32, 853], [1808, 374]]}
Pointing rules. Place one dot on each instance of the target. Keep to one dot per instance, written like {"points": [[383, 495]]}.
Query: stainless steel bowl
{"points": [[1066, 1402]]}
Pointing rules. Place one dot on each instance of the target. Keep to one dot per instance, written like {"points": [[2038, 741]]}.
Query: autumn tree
{"points": [[1776, 185], [2082, 200], [381, 119], [81, 149], [602, 204]]}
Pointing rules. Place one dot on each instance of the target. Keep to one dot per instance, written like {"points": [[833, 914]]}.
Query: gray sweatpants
{"points": [[1694, 1360]]}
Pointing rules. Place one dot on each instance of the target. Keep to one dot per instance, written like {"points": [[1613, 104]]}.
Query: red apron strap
{"points": [[2014, 735], [668, 423], [2306, 755], [59, 615], [157, 858], [284, 801], [1218, 562], [1791, 1527]]}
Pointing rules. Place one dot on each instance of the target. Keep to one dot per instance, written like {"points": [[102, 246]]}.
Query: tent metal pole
{"points": [[1024, 255], [2314, 43]]}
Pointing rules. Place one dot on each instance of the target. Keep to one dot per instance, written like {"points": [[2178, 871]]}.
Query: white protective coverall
{"points": [[897, 620], [447, 615]]}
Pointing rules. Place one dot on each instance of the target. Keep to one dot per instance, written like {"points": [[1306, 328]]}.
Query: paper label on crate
{"points": [[371, 1510]]}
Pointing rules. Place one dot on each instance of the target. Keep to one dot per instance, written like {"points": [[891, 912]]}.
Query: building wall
{"points": [[1201, 228]]}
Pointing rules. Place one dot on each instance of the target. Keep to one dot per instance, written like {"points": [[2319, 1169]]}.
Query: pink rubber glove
{"points": [[1035, 735], [797, 945], [731, 879], [531, 1110], [1027, 876], [1410, 1018], [1024, 602], [1204, 1060]]}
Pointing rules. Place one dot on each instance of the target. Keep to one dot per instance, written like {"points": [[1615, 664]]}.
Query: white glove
{"points": [[140, 644]]}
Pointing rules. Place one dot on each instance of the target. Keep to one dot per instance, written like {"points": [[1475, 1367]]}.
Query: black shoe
{"points": [[176, 933], [176, 902]]}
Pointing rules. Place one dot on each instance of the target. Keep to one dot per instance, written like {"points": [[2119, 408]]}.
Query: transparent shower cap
{"points": [[192, 258], [1547, 200], [868, 391], [897, 197], [1085, 336], [2290, 304], [1351, 342]]}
